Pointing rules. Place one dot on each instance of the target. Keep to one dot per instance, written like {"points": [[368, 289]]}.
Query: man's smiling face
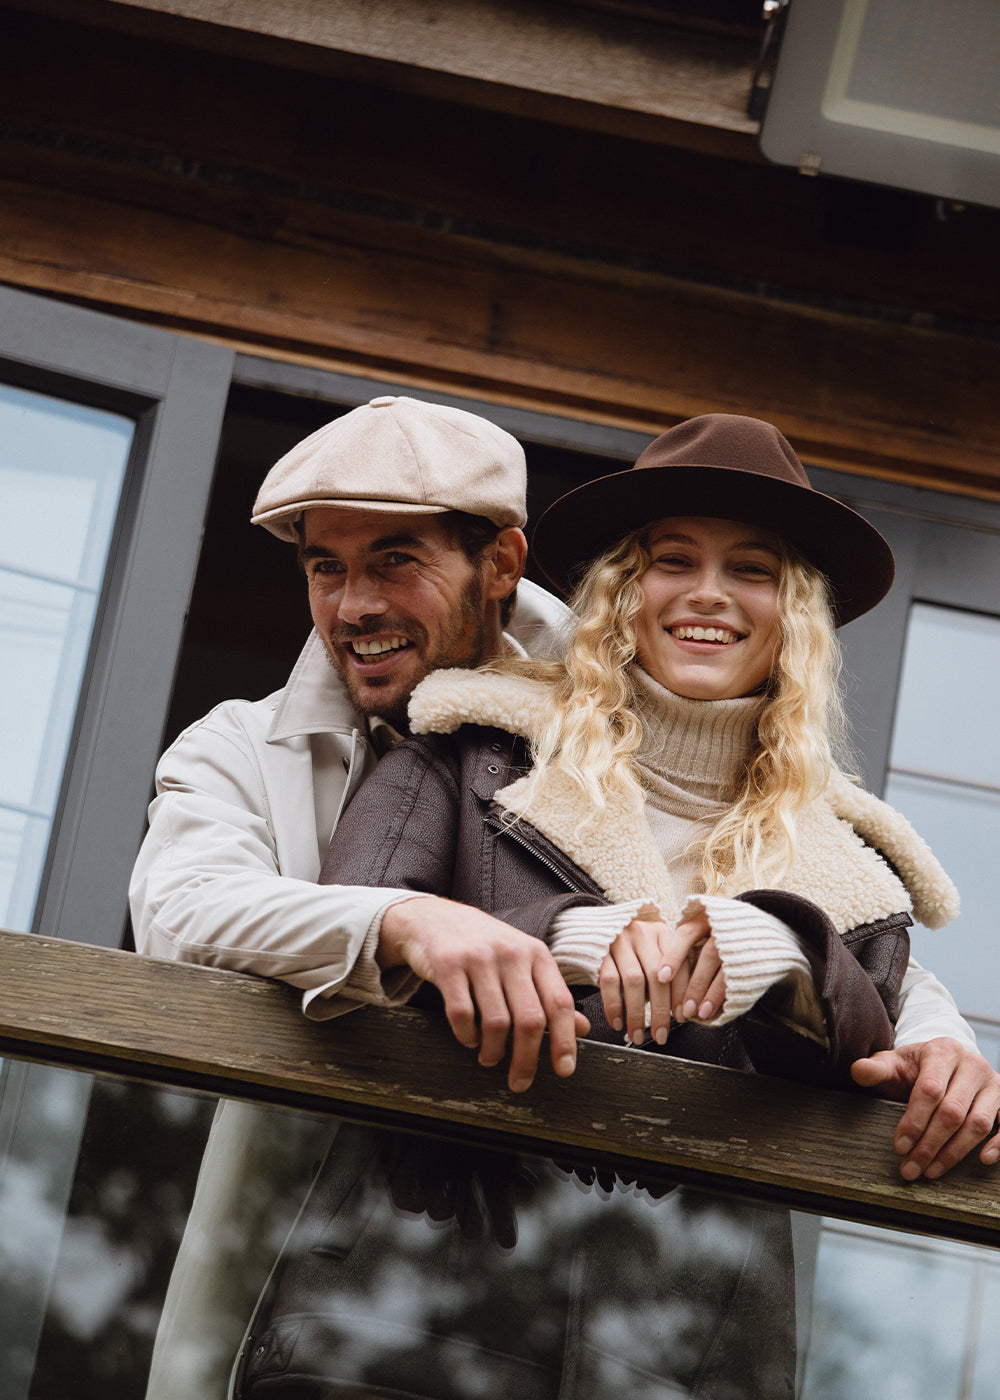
{"points": [[393, 597]]}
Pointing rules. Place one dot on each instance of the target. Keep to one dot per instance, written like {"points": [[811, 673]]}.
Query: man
{"points": [[408, 521]]}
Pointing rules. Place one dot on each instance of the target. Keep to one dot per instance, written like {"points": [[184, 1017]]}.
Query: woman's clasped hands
{"points": [[674, 969]]}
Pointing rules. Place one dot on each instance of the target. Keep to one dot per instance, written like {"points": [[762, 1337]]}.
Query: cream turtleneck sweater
{"points": [[690, 760]]}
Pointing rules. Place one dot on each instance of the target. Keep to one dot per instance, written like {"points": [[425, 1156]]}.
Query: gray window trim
{"points": [[175, 388]]}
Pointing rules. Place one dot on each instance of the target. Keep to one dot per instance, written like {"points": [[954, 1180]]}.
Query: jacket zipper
{"points": [[522, 841]]}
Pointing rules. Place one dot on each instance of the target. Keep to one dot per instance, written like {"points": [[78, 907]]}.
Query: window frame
{"points": [[175, 389]]}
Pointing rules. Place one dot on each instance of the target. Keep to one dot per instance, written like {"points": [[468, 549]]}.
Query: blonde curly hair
{"points": [[595, 729]]}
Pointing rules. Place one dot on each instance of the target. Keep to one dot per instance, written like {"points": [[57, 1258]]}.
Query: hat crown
{"points": [[730, 441], [397, 454], [728, 467]]}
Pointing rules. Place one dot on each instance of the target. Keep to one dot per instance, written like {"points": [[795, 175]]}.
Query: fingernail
{"points": [[934, 1171], [991, 1155], [638, 1037], [705, 1010], [909, 1171], [661, 1035], [566, 1065], [617, 1023], [665, 973], [690, 1009], [904, 1145], [518, 1086]]}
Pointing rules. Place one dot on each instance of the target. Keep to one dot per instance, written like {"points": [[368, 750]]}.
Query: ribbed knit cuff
{"points": [[579, 938], [759, 952], [366, 982]]}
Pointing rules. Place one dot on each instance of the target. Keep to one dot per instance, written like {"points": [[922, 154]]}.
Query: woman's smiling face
{"points": [[709, 628]]}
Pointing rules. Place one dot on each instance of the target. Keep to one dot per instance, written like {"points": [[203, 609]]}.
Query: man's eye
{"points": [[397, 557], [326, 566]]}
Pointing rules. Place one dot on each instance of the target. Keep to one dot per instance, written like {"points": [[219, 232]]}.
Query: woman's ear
{"points": [[508, 556]]}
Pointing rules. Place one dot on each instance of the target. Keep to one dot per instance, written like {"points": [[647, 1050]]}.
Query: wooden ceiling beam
{"points": [[618, 72]]}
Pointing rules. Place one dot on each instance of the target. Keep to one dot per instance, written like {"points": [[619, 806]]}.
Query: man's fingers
{"points": [[460, 1009], [564, 1022], [953, 1101], [962, 1119]]}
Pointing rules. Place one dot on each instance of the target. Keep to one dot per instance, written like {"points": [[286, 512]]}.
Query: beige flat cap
{"points": [[398, 455]]}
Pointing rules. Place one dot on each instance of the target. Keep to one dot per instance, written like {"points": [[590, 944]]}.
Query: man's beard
{"points": [[463, 643]]}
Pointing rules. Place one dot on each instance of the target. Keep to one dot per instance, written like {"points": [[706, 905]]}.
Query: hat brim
{"points": [[282, 520], [838, 541]]}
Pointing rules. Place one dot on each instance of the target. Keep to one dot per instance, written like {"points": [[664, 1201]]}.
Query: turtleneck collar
{"points": [[694, 748]]}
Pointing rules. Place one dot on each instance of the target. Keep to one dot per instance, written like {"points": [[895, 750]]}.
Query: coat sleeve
{"points": [[407, 828], [858, 989], [212, 885]]}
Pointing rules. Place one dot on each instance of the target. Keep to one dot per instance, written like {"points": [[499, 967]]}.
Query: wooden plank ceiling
{"points": [[555, 205]]}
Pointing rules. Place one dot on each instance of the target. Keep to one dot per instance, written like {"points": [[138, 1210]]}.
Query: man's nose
{"points": [[361, 596]]}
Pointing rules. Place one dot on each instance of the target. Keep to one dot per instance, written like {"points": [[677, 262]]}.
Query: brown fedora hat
{"points": [[733, 468]]}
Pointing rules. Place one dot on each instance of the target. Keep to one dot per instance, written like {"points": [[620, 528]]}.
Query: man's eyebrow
{"points": [[384, 542]]}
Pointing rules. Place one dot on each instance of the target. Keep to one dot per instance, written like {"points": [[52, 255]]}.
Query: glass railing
{"points": [[368, 1213]]}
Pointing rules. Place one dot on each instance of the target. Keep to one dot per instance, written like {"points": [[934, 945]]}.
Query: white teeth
{"points": [[378, 646], [704, 634]]}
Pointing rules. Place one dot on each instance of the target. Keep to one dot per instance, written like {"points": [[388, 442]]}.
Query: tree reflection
{"points": [[136, 1172], [403, 1278]]}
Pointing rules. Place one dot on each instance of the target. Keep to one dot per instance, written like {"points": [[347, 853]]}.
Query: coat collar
{"points": [[846, 838], [314, 700]]}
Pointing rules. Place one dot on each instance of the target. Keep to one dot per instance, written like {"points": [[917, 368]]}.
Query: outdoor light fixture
{"points": [[895, 92]]}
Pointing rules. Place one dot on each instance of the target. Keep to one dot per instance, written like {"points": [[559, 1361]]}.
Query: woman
{"points": [[711, 862], [663, 810]]}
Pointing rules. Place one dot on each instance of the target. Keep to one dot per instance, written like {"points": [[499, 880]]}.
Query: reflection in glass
{"points": [[422, 1267], [450, 1273], [61, 471], [914, 1313]]}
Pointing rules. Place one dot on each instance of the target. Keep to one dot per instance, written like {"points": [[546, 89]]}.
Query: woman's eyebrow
{"points": [[749, 543]]}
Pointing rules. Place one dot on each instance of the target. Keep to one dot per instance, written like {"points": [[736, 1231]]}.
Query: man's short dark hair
{"points": [[473, 535]]}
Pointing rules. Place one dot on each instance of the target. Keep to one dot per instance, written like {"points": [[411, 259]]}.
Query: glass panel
{"points": [[61, 472], [421, 1267], [944, 775], [897, 1307]]}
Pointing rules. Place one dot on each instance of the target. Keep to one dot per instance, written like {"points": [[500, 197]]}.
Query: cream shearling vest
{"points": [[838, 864]]}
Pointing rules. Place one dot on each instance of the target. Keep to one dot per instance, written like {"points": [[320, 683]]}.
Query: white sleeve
{"points": [[758, 952], [579, 938], [927, 1010], [208, 885]]}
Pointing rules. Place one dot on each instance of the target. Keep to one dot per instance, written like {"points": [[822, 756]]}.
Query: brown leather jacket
{"points": [[425, 820]]}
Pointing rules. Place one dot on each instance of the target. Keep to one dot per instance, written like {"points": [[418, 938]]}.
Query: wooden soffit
{"points": [[657, 72], [150, 169]]}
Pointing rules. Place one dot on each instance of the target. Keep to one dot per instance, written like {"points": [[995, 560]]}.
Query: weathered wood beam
{"points": [[525, 326], [594, 68], [69, 1003]]}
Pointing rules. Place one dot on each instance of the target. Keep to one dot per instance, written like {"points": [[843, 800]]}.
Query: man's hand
{"points": [[494, 980], [650, 961], [954, 1095]]}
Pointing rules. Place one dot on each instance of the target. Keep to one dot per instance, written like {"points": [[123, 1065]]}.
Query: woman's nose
{"points": [[708, 587]]}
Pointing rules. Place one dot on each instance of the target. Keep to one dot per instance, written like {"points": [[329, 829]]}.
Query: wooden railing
{"points": [[103, 1011]]}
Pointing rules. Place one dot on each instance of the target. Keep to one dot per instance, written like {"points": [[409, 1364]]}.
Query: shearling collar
{"points": [[838, 864]]}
